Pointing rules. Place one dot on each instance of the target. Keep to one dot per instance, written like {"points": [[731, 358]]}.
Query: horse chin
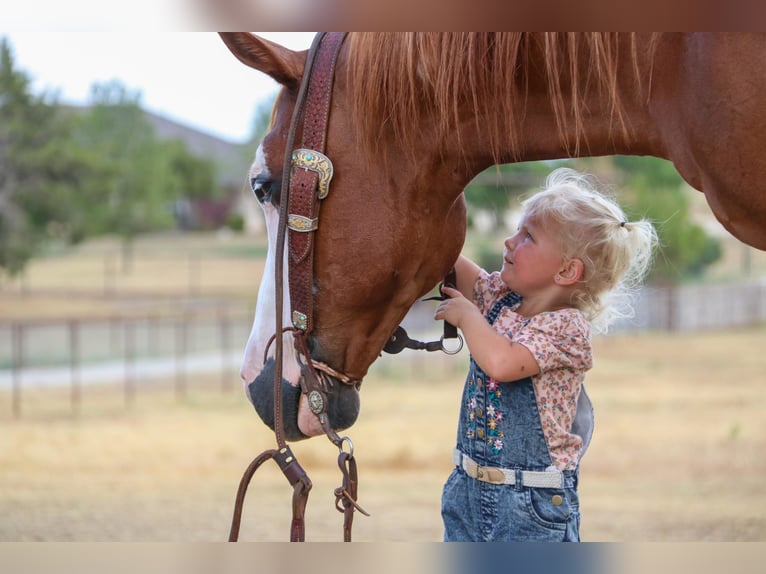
{"points": [[298, 420]]}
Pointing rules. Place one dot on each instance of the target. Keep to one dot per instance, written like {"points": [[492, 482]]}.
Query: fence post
{"points": [[130, 356], [153, 335], [224, 320], [24, 283], [756, 313], [74, 363], [109, 273], [17, 338], [181, 340], [115, 328], [194, 273], [672, 308]]}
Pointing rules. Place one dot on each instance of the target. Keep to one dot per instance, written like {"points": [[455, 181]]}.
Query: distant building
{"points": [[232, 160]]}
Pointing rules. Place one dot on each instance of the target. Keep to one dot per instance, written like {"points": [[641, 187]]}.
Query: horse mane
{"points": [[397, 78]]}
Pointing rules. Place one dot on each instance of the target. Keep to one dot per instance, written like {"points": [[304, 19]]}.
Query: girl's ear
{"points": [[571, 272]]}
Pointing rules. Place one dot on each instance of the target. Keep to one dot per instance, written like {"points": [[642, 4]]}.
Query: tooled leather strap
{"points": [[303, 203], [284, 457], [297, 478]]}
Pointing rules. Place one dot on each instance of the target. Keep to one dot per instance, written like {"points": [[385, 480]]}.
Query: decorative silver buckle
{"points": [[317, 162]]}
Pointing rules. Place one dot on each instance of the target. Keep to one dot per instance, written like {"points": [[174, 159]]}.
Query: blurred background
{"points": [[131, 250]]}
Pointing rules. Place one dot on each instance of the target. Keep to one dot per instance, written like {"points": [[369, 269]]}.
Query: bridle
{"points": [[306, 176], [305, 182]]}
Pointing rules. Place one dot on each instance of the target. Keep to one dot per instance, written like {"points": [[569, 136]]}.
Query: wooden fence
{"points": [[681, 308], [127, 350]]}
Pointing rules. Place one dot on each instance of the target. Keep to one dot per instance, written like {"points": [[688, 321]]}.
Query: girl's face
{"points": [[531, 258]]}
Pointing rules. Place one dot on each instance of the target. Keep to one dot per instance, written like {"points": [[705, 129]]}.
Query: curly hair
{"points": [[591, 226]]}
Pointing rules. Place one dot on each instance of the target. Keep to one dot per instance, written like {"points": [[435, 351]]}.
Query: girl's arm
{"points": [[500, 358], [467, 272]]}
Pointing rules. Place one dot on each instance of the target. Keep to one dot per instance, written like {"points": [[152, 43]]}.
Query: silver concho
{"points": [[300, 320], [316, 402]]}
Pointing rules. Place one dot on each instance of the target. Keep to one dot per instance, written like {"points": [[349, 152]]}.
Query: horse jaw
{"points": [[264, 326], [264, 323]]}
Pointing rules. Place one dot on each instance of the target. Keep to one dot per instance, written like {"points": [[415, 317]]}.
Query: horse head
{"points": [[379, 246]]}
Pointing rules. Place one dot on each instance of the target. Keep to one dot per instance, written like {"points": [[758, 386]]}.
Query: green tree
{"points": [[131, 189], [138, 176], [67, 174], [499, 188], [649, 188], [190, 175], [654, 190], [40, 172]]}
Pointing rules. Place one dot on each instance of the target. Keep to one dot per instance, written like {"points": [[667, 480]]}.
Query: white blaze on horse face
{"points": [[264, 323]]}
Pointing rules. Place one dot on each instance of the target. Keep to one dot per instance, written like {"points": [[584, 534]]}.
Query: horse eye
{"points": [[265, 189]]}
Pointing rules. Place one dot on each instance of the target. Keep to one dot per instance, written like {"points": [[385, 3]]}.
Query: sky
{"points": [[190, 77]]}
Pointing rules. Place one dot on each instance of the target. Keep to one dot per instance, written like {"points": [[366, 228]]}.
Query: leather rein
{"points": [[306, 177]]}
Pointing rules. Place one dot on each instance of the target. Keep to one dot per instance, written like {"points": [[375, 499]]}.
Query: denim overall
{"points": [[477, 511]]}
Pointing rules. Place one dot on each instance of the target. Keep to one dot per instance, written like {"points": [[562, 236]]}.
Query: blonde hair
{"points": [[591, 226]]}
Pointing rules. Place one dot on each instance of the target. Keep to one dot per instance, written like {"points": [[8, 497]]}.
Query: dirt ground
{"points": [[677, 453]]}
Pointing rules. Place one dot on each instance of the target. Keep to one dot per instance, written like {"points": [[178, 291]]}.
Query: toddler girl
{"points": [[525, 419]]}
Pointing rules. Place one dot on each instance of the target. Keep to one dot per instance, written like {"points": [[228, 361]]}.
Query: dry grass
{"points": [[677, 454], [89, 281]]}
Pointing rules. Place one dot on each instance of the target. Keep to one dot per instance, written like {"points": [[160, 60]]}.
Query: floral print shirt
{"points": [[560, 341]]}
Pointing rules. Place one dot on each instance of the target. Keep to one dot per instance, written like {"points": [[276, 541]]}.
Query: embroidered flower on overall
{"points": [[471, 403], [479, 397], [494, 434]]}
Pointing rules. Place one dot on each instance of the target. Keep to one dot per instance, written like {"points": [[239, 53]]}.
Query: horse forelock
{"points": [[396, 78]]}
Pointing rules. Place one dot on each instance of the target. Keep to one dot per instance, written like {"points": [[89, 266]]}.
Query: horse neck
{"points": [[596, 130]]}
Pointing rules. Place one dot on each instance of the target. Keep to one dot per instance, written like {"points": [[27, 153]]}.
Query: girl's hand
{"points": [[455, 309]]}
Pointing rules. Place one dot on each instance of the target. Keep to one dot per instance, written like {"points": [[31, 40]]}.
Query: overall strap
{"points": [[508, 300]]}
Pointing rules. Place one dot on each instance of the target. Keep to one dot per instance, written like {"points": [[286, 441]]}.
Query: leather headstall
{"points": [[307, 173], [310, 175]]}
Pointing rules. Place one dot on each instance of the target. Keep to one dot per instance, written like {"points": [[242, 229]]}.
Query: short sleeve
{"points": [[487, 289], [558, 340]]}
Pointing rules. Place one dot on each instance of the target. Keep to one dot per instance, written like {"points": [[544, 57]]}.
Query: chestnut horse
{"points": [[415, 116]]}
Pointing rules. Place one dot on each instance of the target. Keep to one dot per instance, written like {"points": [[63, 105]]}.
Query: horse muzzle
{"points": [[342, 401]]}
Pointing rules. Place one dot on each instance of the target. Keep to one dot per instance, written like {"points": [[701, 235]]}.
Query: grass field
{"points": [[677, 455], [96, 280]]}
